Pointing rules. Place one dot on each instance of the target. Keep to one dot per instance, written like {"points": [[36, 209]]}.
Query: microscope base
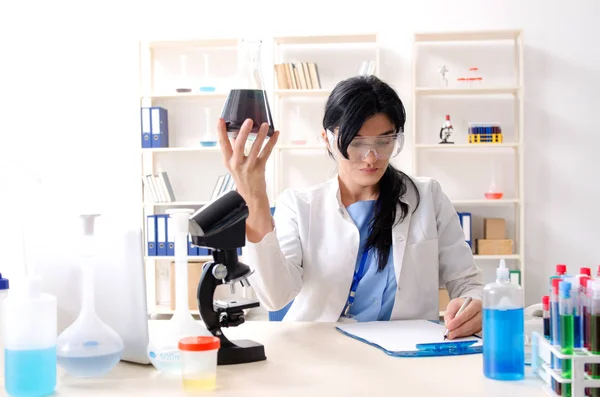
{"points": [[243, 351]]}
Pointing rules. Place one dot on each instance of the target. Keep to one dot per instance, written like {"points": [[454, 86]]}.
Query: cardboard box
{"points": [[494, 229], [494, 247], [443, 298]]}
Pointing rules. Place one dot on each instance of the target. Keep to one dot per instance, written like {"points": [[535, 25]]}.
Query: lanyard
{"points": [[357, 276]]}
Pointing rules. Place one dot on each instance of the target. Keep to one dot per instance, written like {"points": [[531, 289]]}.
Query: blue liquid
{"points": [[577, 331], [91, 366], [207, 89], [503, 344], [30, 373], [208, 143]]}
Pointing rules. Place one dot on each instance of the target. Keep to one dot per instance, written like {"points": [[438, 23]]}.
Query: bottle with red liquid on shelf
{"points": [[494, 192]]}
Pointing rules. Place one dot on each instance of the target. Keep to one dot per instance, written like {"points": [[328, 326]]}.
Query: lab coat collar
{"points": [[409, 198]]}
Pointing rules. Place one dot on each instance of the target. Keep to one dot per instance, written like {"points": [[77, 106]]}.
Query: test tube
{"points": [[575, 298], [595, 331], [546, 308], [584, 310], [555, 327], [566, 309]]}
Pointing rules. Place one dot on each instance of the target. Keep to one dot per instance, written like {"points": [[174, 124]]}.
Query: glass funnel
{"points": [[88, 347], [248, 98]]}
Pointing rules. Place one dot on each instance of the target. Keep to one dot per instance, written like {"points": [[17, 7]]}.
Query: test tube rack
{"points": [[542, 353]]}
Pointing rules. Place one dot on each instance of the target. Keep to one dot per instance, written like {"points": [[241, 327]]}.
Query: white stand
{"points": [[542, 353]]}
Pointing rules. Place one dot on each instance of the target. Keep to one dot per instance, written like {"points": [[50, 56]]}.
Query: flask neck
{"points": [[249, 67]]}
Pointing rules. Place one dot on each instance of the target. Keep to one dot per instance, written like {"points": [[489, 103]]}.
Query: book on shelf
{"points": [[367, 68], [297, 76], [225, 183], [159, 187]]}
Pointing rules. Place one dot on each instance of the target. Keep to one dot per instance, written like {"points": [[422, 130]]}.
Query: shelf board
{"points": [[197, 258], [311, 93], [328, 39], [485, 202], [188, 95], [467, 146], [176, 204], [182, 149], [467, 91], [191, 43], [301, 147], [497, 257], [491, 35]]}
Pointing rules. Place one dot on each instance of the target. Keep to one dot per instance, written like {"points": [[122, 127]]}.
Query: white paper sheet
{"points": [[401, 335]]}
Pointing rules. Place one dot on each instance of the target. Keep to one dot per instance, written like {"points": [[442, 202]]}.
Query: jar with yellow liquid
{"points": [[198, 355]]}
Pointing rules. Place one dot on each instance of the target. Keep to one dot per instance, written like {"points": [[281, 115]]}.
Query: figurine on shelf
{"points": [[446, 131], [442, 71]]}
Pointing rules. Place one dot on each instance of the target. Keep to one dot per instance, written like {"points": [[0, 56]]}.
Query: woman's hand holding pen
{"points": [[248, 173], [467, 323]]}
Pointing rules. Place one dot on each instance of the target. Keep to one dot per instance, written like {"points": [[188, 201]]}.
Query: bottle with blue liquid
{"points": [[29, 328], [503, 328]]}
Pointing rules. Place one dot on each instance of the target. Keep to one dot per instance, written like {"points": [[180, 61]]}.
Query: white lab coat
{"points": [[311, 254]]}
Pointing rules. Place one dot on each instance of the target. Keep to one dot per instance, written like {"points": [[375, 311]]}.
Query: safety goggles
{"points": [[383, 147]]}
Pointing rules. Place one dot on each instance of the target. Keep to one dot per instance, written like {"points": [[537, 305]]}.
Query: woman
{"points": [[369, 244]]}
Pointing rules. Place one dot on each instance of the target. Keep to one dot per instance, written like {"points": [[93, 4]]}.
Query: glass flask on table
{"points": [[248, 99], [89, 347]]}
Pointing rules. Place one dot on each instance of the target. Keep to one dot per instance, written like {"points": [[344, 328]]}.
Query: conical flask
{"points": [[88, 347], [248, 98]]}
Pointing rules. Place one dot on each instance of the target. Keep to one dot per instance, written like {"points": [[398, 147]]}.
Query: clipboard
{"points": [[410, 338]]}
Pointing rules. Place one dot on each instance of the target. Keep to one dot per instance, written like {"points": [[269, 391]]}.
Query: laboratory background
{"points": [[109, 113]]}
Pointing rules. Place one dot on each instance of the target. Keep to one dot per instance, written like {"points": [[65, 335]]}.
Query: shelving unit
{"points": [[194, 169], [458, 166]]}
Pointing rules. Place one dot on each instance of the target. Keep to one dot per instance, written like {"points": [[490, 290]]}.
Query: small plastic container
{"points": [[198, 356]]}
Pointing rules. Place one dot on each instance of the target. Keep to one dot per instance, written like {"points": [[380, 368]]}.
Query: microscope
{"points": [[221, 226]]}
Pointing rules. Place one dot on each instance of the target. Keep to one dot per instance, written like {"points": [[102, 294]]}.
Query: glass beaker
{"points": [[248, 98], [209, 137], [298, 135], [183, 86], [207, 83]]}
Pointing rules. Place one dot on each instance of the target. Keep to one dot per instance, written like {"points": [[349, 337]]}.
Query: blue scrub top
{"points": [[376, 291]]}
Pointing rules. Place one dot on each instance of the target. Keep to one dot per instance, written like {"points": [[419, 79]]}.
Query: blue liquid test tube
{"points": [[568, 324]]}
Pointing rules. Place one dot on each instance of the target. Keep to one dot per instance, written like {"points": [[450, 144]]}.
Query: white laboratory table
{"points": [[313, 359]]}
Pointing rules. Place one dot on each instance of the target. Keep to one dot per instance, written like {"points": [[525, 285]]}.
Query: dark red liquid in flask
{"points": [[248, 98]]}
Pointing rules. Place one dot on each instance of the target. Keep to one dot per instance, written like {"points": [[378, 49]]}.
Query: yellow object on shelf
{"points": [[485, 138]]}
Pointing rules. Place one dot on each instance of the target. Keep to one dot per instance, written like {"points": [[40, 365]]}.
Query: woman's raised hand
{"points": [[247, 171]]}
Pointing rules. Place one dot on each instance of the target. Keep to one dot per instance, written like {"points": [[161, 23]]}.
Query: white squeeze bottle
{"points": [[29, 341], [503, 328]]}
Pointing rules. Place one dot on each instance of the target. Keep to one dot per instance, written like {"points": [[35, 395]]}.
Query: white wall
{"points": [[70, 107]]}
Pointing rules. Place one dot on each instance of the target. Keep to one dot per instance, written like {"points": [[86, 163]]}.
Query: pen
{"points": [[462, 309]]}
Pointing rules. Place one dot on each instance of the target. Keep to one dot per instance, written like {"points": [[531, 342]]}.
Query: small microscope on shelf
{"points": [[221, 226], [446, 131]]}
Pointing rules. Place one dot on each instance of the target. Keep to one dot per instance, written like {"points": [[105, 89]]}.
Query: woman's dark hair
{"points": [[349, 105]]}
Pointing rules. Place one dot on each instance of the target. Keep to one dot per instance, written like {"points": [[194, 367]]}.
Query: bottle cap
{"points": [[561, 269], [585, 270], [447, 117], [583, 281], [545, 301], [565, 289], [502, 272], [555, 282], [199, 343], [3, 283]]}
